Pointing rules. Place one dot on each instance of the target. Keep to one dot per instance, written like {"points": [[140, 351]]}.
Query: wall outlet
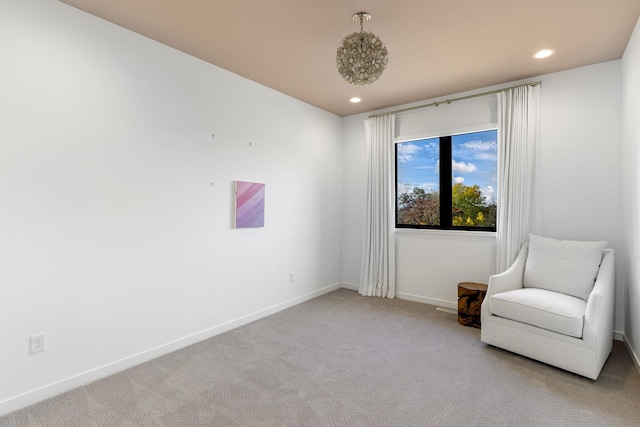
{"points": [[292, 276], [36, 343]]}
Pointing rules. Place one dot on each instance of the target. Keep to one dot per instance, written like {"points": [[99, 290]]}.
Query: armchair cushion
{"points": [[565, 266], [545, 309]]}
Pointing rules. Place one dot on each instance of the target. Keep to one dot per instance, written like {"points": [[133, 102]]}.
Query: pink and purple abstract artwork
{"points": [[249, 204]]}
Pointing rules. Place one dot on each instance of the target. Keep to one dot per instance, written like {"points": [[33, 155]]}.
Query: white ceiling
{"points": [[436, 47]]}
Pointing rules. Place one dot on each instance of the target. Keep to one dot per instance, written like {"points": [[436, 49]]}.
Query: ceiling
{"points": [[436, 48]]}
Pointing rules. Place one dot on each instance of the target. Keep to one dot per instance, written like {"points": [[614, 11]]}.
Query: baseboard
{"points": [[62, 386], [634, 356], [453, 305], [350, 286], [618, 336]]}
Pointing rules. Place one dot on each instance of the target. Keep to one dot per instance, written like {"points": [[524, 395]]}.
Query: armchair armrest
{"points": [[599, 314], [506, 281], [511, 278]]}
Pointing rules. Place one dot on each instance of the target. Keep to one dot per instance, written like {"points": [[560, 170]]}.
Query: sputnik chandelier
{"points": [[361, 57]]}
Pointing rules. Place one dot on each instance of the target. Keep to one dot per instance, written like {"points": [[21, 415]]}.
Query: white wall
{"points": [[579, 188], [116, 205], [631, 190]]}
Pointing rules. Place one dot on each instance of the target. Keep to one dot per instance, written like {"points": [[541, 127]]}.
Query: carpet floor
{"points": [[346, 360]]}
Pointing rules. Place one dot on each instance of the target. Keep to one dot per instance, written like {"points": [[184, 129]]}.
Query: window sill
{"points": [[457, 233]]}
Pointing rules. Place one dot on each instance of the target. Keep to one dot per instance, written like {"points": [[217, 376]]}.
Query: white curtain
{"points": [[518, 110], [377, 275]]}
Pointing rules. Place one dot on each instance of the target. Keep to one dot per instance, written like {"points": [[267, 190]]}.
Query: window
{"points": [[447, 182]]}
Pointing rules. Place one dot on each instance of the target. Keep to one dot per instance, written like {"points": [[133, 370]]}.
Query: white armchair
{"points": [[555, 304]]}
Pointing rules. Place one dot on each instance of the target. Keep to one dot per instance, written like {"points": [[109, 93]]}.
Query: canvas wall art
{"points": [[249, 204]]}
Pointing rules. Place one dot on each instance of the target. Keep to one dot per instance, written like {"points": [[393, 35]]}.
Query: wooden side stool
{"points": [[470, 297]]}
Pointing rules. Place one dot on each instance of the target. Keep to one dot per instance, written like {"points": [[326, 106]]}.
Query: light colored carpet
{"points": [[346, 360]]}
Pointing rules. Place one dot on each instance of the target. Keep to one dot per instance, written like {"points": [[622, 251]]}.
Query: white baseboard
{"points": [[634, 356], [67, 384], [453, 305], [350, 286]]}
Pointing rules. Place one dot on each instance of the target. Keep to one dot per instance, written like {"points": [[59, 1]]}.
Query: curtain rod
{"points": [[449, 101]]}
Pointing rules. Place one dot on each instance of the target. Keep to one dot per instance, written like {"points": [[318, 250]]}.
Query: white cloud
{"points": [[486, 156], [407, 187], [462, 167], [407, 151], [477, 145], [458, 180], [490, 194], [432, 148], [482, 150]]}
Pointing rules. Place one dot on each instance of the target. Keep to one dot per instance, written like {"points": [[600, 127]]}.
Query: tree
{"points": [[419, 208], [469, 208]]}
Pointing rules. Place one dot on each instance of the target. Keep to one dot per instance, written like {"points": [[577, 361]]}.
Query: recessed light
{"points": [[355, 100], [544, 53]]}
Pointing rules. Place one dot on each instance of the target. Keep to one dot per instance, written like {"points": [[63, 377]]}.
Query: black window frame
{"points": [[446, 190]]}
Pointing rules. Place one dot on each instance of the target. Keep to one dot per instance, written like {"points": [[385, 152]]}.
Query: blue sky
{"points": [[474, 162]]}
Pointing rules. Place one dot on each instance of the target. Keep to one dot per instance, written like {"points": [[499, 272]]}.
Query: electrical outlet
{"points": [[292, 276], [36, 343]]}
